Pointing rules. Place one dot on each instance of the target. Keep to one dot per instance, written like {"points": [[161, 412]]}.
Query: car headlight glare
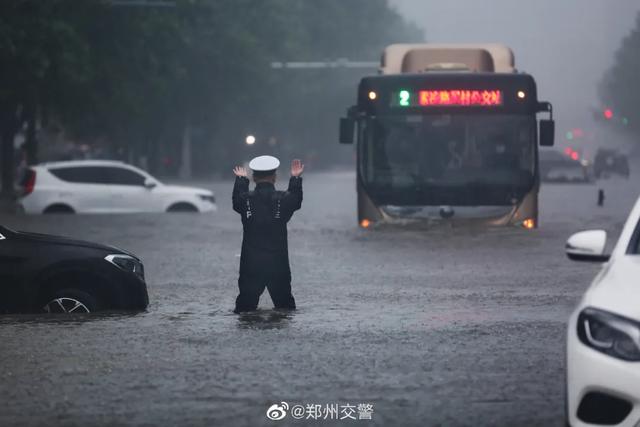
{"points": [[610, 334], [127, 263]]}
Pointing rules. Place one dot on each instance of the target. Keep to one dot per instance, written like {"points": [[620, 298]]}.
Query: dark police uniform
{"points": [[265, 255]]}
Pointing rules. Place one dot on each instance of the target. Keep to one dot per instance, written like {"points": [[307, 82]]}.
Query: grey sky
{"points": [[566, 44]]}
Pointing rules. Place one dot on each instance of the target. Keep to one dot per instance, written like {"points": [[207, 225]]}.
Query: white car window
{"points": [[99, 175], [82, 174], [634, 247], [122, 176], [2, 237]]}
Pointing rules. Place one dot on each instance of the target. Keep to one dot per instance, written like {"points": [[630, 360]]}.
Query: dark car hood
{"points": [[59, 240]]}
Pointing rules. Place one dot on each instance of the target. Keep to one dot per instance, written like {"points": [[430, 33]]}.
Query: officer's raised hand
{"points": [[239, 171], [296, 168]]}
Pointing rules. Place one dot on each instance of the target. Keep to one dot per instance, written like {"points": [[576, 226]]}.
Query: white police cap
{"points": [[264, 164]]}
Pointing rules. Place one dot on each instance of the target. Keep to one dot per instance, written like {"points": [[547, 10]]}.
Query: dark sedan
{"points": [[558, 167], [43, 273], [610, 162]]}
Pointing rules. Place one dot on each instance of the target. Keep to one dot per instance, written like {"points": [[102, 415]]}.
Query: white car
{"points": [[603, 344], [101, 186]]}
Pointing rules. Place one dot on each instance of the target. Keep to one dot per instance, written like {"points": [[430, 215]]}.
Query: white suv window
{"points": [[123, 176], [634, 247], [81, 174], [99, 175]]}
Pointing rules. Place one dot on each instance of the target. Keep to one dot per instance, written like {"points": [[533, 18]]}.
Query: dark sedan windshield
{"points": [[460, 157]]}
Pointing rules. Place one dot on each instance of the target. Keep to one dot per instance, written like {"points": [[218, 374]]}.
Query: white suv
{"points": [[100, 186]]}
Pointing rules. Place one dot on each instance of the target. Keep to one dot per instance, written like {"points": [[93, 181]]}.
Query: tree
{"points": [[308, 103], [141, 78], [620, 89], [41, 55]]}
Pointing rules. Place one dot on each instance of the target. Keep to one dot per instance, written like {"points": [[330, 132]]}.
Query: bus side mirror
{"points": [[547, 132], [347, 127]]}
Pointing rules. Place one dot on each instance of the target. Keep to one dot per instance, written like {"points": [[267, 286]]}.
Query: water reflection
{"points": [[65, 318], [265, 319]]}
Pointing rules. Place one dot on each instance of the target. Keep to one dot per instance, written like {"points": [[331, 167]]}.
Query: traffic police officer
{"points": [[265, 213]]}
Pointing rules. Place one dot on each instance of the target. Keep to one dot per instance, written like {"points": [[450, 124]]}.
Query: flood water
{"points": [[443, 326]]}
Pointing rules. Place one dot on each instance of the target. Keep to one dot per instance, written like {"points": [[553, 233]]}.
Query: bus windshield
{"points": [[450, 159]]}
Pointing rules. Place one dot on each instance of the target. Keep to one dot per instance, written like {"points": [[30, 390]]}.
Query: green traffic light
{"points": [[625, 121], [569, 135]]}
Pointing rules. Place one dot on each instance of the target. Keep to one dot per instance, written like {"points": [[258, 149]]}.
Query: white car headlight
{"points": [[127, 263], [610, 334]]}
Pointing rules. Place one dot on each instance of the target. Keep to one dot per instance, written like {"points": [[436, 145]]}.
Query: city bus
{"points": [[448, 146]]}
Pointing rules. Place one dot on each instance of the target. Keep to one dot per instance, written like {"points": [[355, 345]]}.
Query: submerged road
{"points": [[442, 327]]}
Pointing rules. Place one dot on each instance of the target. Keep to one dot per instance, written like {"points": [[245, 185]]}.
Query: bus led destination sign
{"points": [[446, 98]]}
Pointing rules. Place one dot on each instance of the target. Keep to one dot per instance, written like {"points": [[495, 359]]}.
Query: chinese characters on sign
{"points": [[315, 411], [460, 97], [449, 98]]}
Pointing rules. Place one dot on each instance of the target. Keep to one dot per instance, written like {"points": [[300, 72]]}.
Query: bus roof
{"points": [[421, 57]]}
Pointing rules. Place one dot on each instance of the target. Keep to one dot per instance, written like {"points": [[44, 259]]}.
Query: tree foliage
{"points": [[620, 88], [137, 77]]}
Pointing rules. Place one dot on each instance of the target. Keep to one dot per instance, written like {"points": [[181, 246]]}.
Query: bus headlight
{"points": [[610, 334], [529, 223]]}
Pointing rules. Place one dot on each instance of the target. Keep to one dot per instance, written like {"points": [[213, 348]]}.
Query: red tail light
{"points": [[29, 182]]}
